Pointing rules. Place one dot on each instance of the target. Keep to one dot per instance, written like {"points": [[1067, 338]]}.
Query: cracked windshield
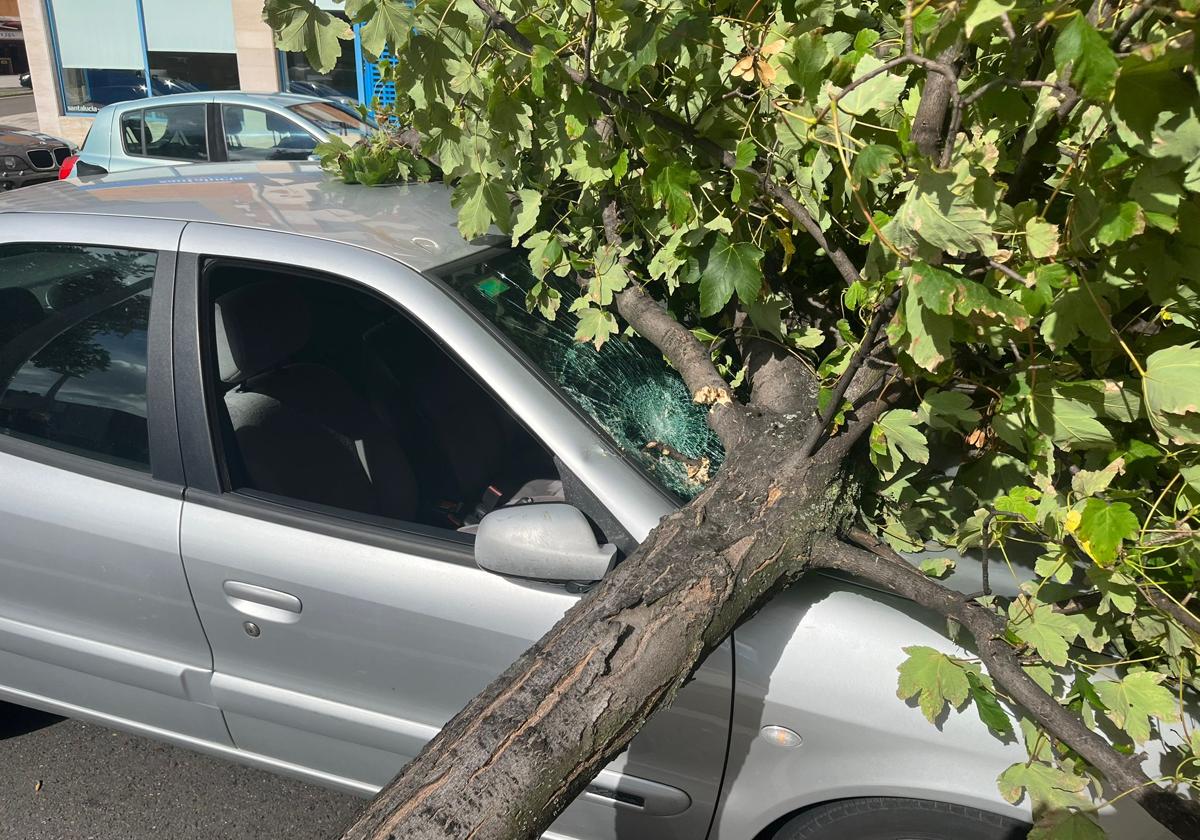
{"points": [[626, 386]]}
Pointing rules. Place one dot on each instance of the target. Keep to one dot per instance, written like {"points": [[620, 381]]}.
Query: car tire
{"points": [[889, 818]]}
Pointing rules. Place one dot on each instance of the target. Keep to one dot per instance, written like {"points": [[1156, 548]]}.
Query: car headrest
{"points": [[259, 327], [19, 306]]}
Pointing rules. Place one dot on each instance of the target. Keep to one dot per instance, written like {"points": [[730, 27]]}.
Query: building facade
{"points": [[85, 54]]}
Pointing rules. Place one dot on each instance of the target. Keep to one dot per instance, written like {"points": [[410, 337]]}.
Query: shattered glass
{"points": [[626, 386]]}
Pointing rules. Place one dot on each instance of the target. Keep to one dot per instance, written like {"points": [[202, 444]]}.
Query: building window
{"points": [[339, 83], [190, 45], [116, 50], [100, 52]]}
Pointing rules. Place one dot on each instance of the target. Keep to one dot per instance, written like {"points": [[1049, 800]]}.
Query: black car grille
{"points": [[61, 154], [40, 158]]}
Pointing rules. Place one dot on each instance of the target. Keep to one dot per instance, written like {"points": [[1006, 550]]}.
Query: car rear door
{"points": [[95, 614], [342, 644]]}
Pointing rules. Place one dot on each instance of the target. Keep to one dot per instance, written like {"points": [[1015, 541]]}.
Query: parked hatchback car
{"points": [[213, 127], [29, 157], [279, 460]]}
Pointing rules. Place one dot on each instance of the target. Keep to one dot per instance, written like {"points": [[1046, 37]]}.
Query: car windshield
{"points": [[334, 119], [626, 387]]}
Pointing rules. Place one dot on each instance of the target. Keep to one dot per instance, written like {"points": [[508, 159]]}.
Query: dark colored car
{"points": [[26, 81], [29, 157]]}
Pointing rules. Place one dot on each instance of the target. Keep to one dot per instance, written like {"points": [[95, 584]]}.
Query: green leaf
{"points": [[980, 12], [948, 410], [1090, 482], [595, 325], [874, 94], [894, 435], [988, 707], [1119, 222], [1066, 825], [938, 679], [1048, 787], [302, 27], [1136, 699], [546, 255], [390, 23], [1172, 380], [671, 187], [1093, 65], [1042, 628], [474, 215], [1041, 238], [872, 161], [938, 566], [531, 205], [941, 213], [1070, 423], [540, 58], [729, 267], [746, 152], [1103, 526]]}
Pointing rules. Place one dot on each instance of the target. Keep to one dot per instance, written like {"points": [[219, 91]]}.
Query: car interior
{"points": [[328, 395], [254, 134]]}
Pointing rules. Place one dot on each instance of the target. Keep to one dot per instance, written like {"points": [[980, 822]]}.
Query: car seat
{"points": [[301, 429]]}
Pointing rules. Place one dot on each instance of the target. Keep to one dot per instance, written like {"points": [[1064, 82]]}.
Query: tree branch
{"points": [[928, 132], [865, 348], [1122, 31], [691, 358], [883, 567], [685, 132]]}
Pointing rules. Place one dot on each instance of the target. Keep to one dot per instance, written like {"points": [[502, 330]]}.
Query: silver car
{"points": [[213, 127], [279, 463]]}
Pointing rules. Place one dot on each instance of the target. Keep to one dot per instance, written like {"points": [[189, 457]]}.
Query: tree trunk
{"points": [[521, 751]]}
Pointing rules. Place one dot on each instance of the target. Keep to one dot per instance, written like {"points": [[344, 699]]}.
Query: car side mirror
{"points": [[549, 542]]}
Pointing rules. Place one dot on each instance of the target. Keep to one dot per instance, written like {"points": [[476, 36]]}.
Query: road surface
{"points": [[14, 105], [96, 784]]}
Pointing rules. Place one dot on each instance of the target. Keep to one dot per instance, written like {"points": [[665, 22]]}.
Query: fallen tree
{"points": [[933, 268]]}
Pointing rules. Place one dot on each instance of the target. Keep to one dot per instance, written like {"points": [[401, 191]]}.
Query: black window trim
{"points": [[165, 477]]}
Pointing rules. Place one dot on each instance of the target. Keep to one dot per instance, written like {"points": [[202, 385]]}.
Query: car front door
{"points": [[254, 134], [95, 615], [344, 641]]}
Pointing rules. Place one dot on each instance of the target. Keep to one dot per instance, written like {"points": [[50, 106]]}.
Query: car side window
{"points": [[255, 134], [131, 133], [327, 395], [73, 349], [175, 132]]}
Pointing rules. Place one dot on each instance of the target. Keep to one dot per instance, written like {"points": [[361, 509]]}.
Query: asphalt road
{"points": [[10, 105], [96, 784]]}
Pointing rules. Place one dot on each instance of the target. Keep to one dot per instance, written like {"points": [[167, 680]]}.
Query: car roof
{"points": [[413, 223], [237, 97]]}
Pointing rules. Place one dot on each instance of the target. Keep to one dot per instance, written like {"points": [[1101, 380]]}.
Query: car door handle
{"points": [[240, 593]]}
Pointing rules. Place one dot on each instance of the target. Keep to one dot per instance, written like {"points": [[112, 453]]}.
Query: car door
{"points": [[342, 642], [95, 615]]}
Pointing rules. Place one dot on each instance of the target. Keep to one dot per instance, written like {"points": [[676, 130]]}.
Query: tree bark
{"points": [[521, 751], [929, 125]]}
